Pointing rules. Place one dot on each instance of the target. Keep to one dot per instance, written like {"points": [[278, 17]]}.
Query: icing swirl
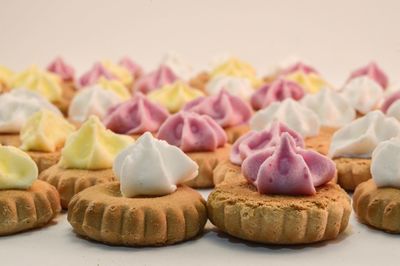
{"points": [[236, 68], [385, 168], [61, 69], [372, 71], [236, 86], [156, 79]]}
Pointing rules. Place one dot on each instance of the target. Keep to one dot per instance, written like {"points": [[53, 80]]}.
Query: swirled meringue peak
{"points": [[227, 110], [135, 116], [255, 141], [385, 168], [240, 87], [61, 69], [135, 69], [298, 66], [293, 114], [164, 75], [277, 91], [359, 138], [391, 105], [288, 169], [192, 132], [374, 72], [18, 105], [332, 109], [363, 93], [178, 65], [152, 167], [92, 76]]}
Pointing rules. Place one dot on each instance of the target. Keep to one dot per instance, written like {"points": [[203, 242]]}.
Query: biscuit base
{"points": [[378, 207], [321, 142], [227, 172], [207, 161], [200, 81], [69, 182], [352, 171], [21, 210], [233, 133], [68, 92], [10, 139], [101, 213], [44, 160], [239, 210]]}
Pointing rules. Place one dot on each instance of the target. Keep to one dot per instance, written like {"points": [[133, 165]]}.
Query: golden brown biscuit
{"points": [[321, 142], [352, 171], [378, 207], [44, 160], [207, 161], [103, 214], [226, 172], [233, 133], [239, 210], [69, 182], [22, 210], [10, 139], [68, 92], [200, 81]]}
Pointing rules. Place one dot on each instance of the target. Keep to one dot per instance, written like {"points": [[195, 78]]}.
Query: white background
{"points": [[335, 36]]}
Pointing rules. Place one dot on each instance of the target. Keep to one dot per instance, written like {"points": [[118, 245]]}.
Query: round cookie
{"points": [[226, 172], [378, 207], [233, 133], [321, 142], [352, 171], [10, 139], [44, 160], [69, 182], [103, 214], [239, 210], [199, 82], [22, 210]]}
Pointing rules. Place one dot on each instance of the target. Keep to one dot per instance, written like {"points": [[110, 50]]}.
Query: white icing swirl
{"points": [[360, 137], [178, 65], [296, 116], [152, 167], [17, 106], [385, 167], [236, 86]]}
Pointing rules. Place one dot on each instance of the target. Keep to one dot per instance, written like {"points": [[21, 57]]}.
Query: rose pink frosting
{"points": [[192, 132], [390, 100], [226, 109], [255, 141], [63, 70], [135, 69], [278, 90], [135, 116], [94, 74], [156, 79], [373, 71], [288, 169], [299, 66]]}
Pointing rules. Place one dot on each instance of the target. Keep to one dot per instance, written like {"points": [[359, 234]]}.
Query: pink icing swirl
{"points": [[135, 69], [226, 109], [278, 90], [394, 97], [299, 66], [94, 74], [288, 169], [61, 69], [255, 141], [135, 116], [192, 132], [373, 71], [156, 79]]}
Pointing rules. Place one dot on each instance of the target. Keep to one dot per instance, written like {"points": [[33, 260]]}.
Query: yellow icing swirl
{"points": [[120, 72], [174, 96], [45, 83], [92, 147], [311, 83], [116, 86], [45, 131], [17, 169], [234, 67], [6, 76]]}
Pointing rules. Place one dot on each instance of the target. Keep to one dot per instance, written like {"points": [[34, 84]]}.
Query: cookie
{"points": [[44, 160], [10, 139], [68, 92], [226, 172], [199, 82], [321, 142], [378, 207], [352, 171], [101, 213], [69, 182], [233, 133], [22, 210], [239, 210]]}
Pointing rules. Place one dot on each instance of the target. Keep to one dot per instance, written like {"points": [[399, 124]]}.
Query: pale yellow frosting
{"points": [[17, 169], [311, 83], [45, 131], [6, 76], [120, 72], [92, 147], [174, 96], [234, 67], [45, 83], [116, 86]]}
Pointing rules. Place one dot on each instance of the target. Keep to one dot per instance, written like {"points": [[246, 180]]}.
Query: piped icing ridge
{"points": [[240, 87], [298, 66], [277, 91], [134, 68], [107, 70], [360, 137], [178, 65], [192, 132], [391, 105], [59, 67], [227, 110], [385, 168], [255, 141], [372, 71], [156, 79], [115, 86], [288, 169], [135, 116], [152, 167]]}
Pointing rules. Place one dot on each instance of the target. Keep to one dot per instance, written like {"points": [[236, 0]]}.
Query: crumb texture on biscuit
{"points": [[225, 171], [378, 207], [233, 133], [103, 214], [352, 171], [321, 142], [44, 160]]}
